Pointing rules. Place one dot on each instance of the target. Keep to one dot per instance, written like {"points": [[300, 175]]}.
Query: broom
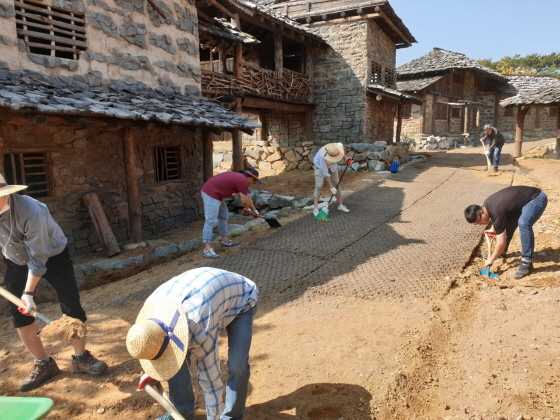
{"points": [[323, 215]]}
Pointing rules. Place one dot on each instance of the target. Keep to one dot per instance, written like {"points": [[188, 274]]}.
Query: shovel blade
{"points": [[487, 273], [273, 222]]}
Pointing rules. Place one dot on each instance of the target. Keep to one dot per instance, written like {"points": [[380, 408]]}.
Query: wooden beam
{"points": [[238, 59], [133, 195], [221, 8], [392, 25], [157, 9], [399, 123], [278, 54], [101, 224], [346, 19], [520, 125], [255, 102], [237, 142], [207, 152], [204, 16], [558, 132]]}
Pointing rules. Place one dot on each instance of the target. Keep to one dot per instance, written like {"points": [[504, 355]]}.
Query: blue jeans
{"points": [[494, 155], [215, 213], [240, 333], [530, 213]]}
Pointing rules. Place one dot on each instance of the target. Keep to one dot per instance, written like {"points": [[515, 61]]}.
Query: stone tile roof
{"points": [[223, 29], [534, 91], [60, 95], [527, 82], [394, 94], [440, 61], [417, 84]]}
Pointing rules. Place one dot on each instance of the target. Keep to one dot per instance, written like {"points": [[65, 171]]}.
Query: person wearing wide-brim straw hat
{"points": [[325, 161], [184, 316], [35, 247]]}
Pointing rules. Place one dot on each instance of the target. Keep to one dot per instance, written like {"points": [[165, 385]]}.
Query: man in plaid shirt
{"points": [[212, 300]]}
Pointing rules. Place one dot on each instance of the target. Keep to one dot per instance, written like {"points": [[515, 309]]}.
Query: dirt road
{"points": [[328, 343]]}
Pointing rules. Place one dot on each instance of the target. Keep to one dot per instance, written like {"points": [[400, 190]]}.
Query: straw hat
{"points": [[160, 338], [333, 152], [6, 189]]}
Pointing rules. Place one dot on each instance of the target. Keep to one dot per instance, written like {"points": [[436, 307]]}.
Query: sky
{"points": [[480, 28]]}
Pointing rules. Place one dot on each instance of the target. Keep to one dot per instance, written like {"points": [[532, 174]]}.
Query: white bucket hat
{"points": [[333, 152], [160, 338], [6, 189]]}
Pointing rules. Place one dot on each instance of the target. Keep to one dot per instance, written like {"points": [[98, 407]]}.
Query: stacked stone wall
{"points": [[86, 160], [127, 41]]}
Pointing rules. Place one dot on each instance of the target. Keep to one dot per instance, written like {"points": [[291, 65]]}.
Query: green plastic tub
{"points": [[24, 408]]}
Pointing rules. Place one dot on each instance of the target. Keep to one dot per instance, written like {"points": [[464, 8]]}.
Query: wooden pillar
{"points": [[558, 132], [207, 155], [399, 123], [133, 196], [264, 127], [521, 112], [309, 133], [238, 60], [237, 142], [101, 224], [278, 54]]}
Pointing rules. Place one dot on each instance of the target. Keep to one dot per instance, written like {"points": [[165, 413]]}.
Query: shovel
{"points": [[487, 158], [63, 329], [155, 390], [487, 272], [271, 221]]}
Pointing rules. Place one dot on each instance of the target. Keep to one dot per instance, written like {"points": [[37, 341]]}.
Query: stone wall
{"points": [[91, 159], [127, 41]]}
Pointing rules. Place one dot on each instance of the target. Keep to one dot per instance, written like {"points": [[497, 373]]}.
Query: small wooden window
{"points": [[405, 111], [553, 111], [375, 73], [389, 78], [455, 112], [508, 112], [49, 30], [167, 163], [441, 111], [458, 78], [28, 169]]}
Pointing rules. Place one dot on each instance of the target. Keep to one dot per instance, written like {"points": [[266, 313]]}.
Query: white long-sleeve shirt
{"points": [[320, 162]]}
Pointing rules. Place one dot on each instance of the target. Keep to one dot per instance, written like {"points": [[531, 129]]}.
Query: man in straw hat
{"points": [[214, 191], [185, 316], [34, 246], [324, 161]]}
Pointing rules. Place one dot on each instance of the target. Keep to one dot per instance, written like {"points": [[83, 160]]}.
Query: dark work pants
{"points": [[60, 274]]}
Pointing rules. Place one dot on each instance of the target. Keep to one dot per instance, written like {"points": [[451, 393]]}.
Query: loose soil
{"points": [[487, 350]]}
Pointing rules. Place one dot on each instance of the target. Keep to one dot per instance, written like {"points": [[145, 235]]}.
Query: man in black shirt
{"points": [[496, 143], [508, 209]]}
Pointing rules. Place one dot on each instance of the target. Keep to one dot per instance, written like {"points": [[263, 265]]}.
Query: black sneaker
{"points": [[523, 270], [86, 363], [42, 370]]}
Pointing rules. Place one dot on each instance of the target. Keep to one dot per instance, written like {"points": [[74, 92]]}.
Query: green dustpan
{"points": [[24, 408]]}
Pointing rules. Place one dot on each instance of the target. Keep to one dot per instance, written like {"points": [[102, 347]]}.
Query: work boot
{"points": [[86, 363], [524, 269], [42, 370]]}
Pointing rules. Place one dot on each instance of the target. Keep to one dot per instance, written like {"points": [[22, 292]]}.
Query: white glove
{"points": [[487, 152], [29, 303], [333, 190]]}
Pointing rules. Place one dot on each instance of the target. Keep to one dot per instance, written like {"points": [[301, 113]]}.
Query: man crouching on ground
{"points": [[512, 207], [185, 316]]}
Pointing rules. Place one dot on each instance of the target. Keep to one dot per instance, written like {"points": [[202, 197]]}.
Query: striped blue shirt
{"points": [[211, 298]]}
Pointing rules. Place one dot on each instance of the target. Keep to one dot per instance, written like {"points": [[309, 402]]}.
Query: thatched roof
{"points": [[63, 95], [440, 61]]}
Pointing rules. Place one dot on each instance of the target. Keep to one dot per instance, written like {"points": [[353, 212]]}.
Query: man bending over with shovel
{"points": [[185, 316], [508, 209], [34, 246], [214, 191], [325, 161]]}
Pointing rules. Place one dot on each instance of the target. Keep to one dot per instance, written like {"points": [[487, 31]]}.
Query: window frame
{"points": [[161, 164], [16, 173]]}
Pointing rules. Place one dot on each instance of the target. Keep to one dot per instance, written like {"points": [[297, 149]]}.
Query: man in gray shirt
{"points": [[34, 246]]}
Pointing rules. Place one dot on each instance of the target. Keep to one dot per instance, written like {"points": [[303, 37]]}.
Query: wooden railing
{"points": [[292, 86]]}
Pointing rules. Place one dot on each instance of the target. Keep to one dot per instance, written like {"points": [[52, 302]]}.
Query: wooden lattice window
{"points": [[406, 111], [441, 111], [553, 111], [29, 169], [375, 73], [49, 30], [508, 112], [389, 78], [455, 112], [167, 163]]}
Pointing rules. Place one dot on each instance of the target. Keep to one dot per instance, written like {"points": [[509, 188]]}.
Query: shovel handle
{"points": [[18, 303], [158, 394]]}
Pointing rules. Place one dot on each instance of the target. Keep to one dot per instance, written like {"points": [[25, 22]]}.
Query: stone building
{"points": [[460, 96], [104, 98], [354, 76]]}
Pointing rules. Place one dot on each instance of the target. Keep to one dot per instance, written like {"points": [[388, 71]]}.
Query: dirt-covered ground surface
{"points": [[488, 349]]}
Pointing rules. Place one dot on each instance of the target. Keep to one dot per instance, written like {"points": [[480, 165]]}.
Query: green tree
{"points": [[530, 64]]}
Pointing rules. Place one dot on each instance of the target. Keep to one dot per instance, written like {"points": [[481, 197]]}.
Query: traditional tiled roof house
{"points": [[104, 97], [533, 110], [354, 79], [460, 95]]}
